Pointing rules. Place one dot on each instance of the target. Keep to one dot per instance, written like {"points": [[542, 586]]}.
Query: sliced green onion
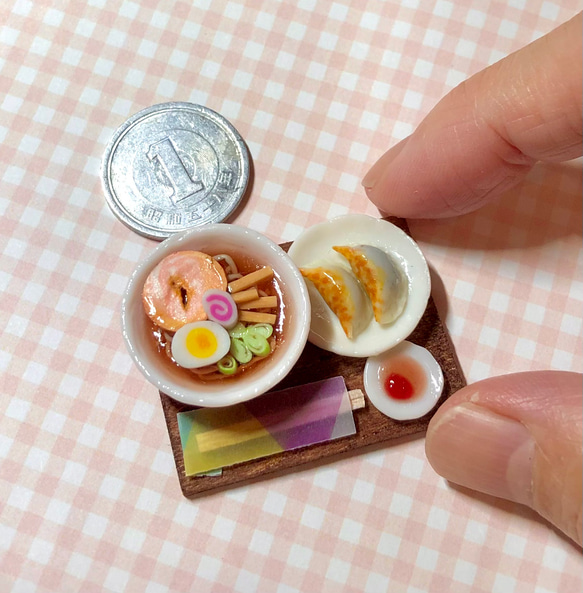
{"points": [[240, 351], [238, 331], [257, 344], [263, 329], [227, 365]]}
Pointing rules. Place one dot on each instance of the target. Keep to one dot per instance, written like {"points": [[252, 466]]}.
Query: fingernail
{"points": [[479, 449], [375, 172]]}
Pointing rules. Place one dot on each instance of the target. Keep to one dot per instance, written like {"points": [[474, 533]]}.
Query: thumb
{"points": [[517, 437]]}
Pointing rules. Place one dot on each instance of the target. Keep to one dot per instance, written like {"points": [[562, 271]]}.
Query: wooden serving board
{"points": [[316, 364]]}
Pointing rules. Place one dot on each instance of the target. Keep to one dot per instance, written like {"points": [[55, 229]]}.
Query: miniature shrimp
{"points": [[172, 294]]}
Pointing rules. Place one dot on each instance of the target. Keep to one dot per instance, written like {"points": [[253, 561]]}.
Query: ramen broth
{"points": [[161, 338]]}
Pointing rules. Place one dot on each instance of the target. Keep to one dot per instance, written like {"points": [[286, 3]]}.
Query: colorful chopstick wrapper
{"points": [[213, 438]]}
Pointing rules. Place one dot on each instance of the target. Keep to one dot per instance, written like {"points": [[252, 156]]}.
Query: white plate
{"points": [[316, 243]]}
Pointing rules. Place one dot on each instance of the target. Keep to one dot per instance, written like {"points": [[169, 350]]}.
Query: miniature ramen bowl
{"points": [[175, 381]]}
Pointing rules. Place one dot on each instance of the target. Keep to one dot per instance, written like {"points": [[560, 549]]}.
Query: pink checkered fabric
{"points": [[318, 89]]}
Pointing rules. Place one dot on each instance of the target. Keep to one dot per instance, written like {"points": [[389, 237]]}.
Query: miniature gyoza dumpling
{"points": [[343, 294], [383, 280]]}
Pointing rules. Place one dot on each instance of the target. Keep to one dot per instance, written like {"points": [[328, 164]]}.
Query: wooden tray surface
{"points": [[315, 364]]}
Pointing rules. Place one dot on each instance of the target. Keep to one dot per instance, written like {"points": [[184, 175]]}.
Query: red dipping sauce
{"points": [[403, 378]]}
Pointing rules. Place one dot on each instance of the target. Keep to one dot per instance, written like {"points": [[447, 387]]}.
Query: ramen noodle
{"points": [[216, 317]]}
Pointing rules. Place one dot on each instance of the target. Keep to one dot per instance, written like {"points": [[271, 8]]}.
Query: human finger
{"points": [[486, 134], [517, 437]]}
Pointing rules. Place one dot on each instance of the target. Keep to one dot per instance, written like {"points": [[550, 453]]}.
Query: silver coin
{"points": [[174, 166]]}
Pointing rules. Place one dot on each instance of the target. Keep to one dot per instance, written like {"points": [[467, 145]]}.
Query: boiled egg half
{"points": [[200, 343]]}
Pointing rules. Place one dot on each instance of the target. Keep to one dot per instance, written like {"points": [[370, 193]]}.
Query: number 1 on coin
{"points": [[165, 153]]}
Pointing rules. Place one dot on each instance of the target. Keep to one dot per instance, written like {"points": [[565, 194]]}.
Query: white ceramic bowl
{"points": [[174, 382]]}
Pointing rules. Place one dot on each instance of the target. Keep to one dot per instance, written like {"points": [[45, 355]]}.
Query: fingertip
{"points": [[476, 448], [414, 180], [486, 134], [376, 172], [393, 183], [517, 437]]}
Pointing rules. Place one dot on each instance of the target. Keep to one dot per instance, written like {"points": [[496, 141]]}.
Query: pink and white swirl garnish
{"points": [[220, 307]]}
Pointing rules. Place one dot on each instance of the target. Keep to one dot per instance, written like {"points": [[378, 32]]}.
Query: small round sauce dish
{"points": [[404, 383]]}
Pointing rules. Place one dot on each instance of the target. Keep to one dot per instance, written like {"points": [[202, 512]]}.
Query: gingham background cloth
{"points": [[89, 496]]}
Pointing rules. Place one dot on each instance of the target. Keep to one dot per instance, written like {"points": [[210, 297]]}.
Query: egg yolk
{"points": [[201, 342]]}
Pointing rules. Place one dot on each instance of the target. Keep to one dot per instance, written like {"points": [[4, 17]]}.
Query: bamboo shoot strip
{"points": [[278, 421], [268, 302], [256, 317], [245, 296], [252, 279]]}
